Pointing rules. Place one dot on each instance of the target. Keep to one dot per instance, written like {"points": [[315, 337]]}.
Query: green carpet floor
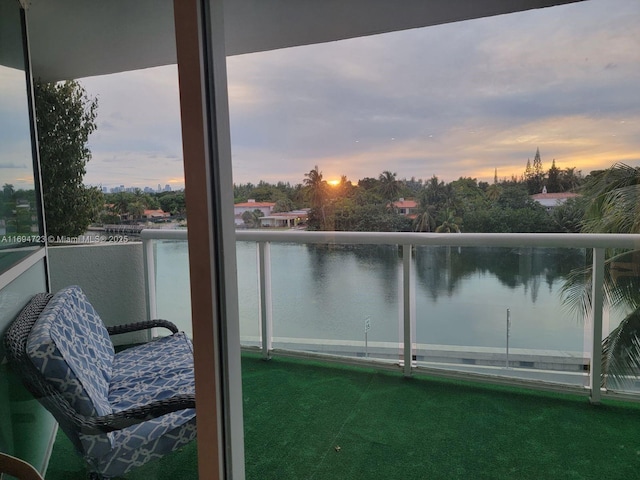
{"points": [[305, 420]]}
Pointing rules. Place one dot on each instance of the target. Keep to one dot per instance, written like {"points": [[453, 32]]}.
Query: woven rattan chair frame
{"points": [[71, 421]]}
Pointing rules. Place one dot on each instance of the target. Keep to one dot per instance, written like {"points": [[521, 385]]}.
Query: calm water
{"points": [[461, 295]]}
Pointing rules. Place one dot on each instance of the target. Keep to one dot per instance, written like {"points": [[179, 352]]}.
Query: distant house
{"points": [[285, 219], [551, 200], [239, 208], [408, 208], [155, 214]]}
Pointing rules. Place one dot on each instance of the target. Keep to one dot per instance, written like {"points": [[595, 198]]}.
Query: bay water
{"points": [[460, 295]]}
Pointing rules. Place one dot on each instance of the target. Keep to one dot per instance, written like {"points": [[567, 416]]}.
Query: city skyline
{"points": [[562, 79]]}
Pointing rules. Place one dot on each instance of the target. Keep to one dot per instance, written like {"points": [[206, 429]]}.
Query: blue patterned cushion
{"points": [[135, 447], [71, 347], [153, 371]]}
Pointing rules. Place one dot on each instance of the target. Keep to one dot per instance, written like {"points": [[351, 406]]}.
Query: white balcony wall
{"points": [[111, 275]]}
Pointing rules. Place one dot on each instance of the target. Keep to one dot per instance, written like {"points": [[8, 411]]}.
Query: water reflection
{"points": [[18, 200], [461, 295], [440, 270]]}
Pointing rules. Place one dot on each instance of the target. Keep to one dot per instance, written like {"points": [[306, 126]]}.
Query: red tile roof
{"points": [[255, 204], [554, 196], [405, 204]]}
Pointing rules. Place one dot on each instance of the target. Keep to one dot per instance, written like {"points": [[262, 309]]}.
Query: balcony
{"points": [[335, 397], [309, 419], [477, 306]]}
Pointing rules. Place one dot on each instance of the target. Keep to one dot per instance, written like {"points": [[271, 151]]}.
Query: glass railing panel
{"points": [[248, 297], [621, 326], [173, 300], [173, 297], [338, 299], [500, 311]]}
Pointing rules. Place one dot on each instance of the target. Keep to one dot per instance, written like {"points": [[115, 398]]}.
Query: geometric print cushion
{"points": [[138, 444], [71, 347], [152, 371], [163, 366]]}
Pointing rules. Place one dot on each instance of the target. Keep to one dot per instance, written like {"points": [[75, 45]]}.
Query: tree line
{"points": [[463, 205]]}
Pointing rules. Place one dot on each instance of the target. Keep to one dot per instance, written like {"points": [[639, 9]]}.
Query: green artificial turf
{"points": [[306, 420]]}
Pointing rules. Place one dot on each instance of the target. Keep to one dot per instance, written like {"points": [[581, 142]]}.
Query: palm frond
{"points": [[612, 205], [621, 354]]}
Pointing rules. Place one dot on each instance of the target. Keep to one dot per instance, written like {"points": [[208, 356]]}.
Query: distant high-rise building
{"points": [[167, 188], [159, 188]]}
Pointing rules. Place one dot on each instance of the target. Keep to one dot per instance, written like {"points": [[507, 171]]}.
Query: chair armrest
{"points": [[132, 416], [134, 327]]}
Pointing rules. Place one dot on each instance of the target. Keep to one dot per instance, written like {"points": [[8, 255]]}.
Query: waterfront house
{"points": [[408, 207], [249, 206], [285, 219], [552, 200]]}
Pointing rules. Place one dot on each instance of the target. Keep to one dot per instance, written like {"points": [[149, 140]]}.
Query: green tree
{"points": [[450, 223], [136, 209], [553, 179], [283, 205], [317, 193], [538, 172], [251, 218], [65, 118], [493, 192], [389, 186], [570, 179], [534, 174], [569, 216]]}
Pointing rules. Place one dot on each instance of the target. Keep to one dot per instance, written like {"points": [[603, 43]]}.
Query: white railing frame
{"points": [[596, 242]]}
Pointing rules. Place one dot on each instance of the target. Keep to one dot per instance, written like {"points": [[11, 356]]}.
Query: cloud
{"points": [[449, 100], [452, 100], [12, 165]]}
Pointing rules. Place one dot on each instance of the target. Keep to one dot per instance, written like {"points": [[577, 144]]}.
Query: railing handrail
{"points": [[565, 240]]}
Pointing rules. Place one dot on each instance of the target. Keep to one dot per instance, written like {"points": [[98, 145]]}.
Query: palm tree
{"points": [[614, 200], [389, 186], [317, 191], [450, 224], [425, 221], [612, 207], [493, 192]]}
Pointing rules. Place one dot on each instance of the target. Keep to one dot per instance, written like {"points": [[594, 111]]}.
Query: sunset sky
{"points": [[453, 100]]}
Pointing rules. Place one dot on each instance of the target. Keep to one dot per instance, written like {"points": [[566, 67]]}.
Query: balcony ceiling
{"points": [[81, 38]]}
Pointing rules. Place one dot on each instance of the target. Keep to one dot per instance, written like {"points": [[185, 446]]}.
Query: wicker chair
{"points": [[119, 410]]}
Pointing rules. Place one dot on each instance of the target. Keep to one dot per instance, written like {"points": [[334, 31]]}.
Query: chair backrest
{"points": [[71, 347], [15, 339], [17, 468]]}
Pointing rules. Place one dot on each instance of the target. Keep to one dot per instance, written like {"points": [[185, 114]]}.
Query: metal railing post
{"points": [[597, 303], [150, 281], [406, 309], [266, 312], [150, 277]]}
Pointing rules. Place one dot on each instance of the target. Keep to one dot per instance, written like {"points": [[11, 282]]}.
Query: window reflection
{"points": [[19, 226]]}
